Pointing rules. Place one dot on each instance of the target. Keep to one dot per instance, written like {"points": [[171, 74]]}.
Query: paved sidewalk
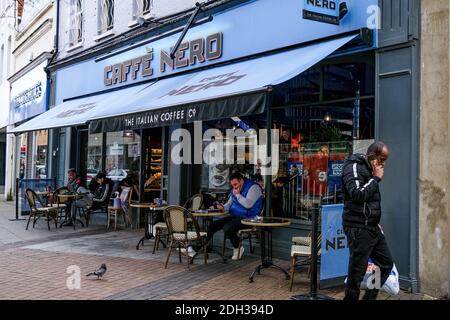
{"points": [[12, 232], [36, 264]]}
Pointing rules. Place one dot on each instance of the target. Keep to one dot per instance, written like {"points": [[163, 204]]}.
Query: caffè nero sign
{"points": [[189, 53]]}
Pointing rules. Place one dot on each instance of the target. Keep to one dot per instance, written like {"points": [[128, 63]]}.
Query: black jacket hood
{"points": [[358, 158]]}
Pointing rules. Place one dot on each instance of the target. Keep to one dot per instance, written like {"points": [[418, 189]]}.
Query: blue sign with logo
{"points": [[232, 34], [334, 254], [335, 175], [322, 10]]}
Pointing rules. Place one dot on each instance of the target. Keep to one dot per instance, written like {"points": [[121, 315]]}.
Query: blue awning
{"points": [[76, 112], [230, 90]]}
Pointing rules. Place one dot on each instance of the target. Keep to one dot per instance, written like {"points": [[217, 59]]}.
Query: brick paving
{"points": [[33, 265]]}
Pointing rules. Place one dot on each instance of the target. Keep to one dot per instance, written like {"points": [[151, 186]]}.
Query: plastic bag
{"points": [[391, 286]]}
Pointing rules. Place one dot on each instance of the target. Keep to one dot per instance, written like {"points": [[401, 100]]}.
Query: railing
{"points": [[298, 202]]}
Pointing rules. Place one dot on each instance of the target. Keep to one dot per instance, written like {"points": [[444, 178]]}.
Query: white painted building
{"points": [[7, 25], [32, 37], [87, 23]]}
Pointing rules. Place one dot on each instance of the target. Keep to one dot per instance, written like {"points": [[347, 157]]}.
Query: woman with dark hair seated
{"points": [[102, 193]]}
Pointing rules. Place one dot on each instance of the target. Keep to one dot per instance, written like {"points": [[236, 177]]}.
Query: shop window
{"points": [[123, 153], [314, 142], [105, 15], [142, 8], [41, 153], [345, 79], [322, 116], [213, 176], [94, 156], [22, 146], [76, 22], [305, 88]]}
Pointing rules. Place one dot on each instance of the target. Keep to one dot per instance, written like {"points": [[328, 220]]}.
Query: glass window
{"points": [[76, 22], [105, 16], [123, 153], [313, 144], [142, 8], [22, 144], [40, 155], [317, 130], [238, 155], [94, 156]]}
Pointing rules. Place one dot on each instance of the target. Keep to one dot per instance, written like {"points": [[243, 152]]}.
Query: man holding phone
{"points": [[245, 201], [361, 177]]}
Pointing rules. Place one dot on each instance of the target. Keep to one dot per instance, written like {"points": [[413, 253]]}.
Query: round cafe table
{"points": [[45, 196], [152, 209], [69, 198], [266, 224], [208, 218]]}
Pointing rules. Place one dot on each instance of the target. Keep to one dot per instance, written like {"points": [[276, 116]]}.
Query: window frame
{"points": [[76, 34], [105, 17]]}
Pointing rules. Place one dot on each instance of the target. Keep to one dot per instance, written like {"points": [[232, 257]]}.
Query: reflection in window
{"points": [[322, 115], [214, 177], [123, 152], [41, 154], [94, 156], [314, 142]]}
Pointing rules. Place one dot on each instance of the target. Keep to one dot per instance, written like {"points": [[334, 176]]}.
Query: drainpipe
{"points": [[50, 89]]}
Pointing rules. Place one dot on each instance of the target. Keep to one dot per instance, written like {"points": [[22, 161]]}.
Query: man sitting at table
{"points": [[73, 180], [245, 201]]}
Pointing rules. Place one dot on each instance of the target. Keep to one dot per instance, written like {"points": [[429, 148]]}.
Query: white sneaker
{"points": [[191, 252], [182, 250], [235, 254], [241, 253]]}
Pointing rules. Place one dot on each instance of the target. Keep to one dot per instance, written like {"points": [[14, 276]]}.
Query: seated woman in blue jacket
{"points": [[245, 201]]}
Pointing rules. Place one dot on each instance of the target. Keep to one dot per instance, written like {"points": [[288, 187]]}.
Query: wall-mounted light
{"points": [[343, 10], [128, 134], [327, 118]]}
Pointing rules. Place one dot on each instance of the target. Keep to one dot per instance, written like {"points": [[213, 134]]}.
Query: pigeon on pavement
{"points": [[100, 272]]}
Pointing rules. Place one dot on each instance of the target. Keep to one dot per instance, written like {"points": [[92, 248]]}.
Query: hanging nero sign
{"points": [[327, 11]]}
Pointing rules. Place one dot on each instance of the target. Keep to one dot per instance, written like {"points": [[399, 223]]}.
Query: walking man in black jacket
{"points": [[361, 177]]}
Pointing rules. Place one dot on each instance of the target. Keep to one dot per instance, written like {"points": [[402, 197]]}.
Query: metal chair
{"points": [[176, 219], [42, 211]]}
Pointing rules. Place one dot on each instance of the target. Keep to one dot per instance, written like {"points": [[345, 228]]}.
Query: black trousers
{"points": [[229, 225], [364, 244]]}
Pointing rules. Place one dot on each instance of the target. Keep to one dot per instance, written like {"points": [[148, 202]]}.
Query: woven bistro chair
{"points": [[301, 254], [177, 223], [192, 204], [61, 203], [51, 213]]}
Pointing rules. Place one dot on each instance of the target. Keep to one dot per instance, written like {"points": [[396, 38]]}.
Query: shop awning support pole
{"points": [[199, 6]]}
